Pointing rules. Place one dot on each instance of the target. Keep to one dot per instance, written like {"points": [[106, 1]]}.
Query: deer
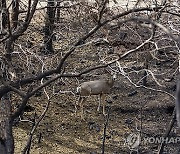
{"points": [[97, 87]]}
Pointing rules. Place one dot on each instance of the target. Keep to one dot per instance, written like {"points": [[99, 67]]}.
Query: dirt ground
{"points": [[133, 110]]}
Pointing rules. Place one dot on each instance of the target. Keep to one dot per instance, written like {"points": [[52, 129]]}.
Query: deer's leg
{"points": [[103, 102], [81, 107], [77, 104], [99, 102]]}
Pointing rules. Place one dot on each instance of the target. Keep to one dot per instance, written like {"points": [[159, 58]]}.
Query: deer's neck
{"points": [[111, 82]]}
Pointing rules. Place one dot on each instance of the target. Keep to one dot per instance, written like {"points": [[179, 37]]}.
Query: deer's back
{"points": [[95, 87]]}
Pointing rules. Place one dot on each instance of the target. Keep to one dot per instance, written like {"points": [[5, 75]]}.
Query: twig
{"points": [[27, 147], [102, 11], [161, 147], [81, 41], [105, 127]]}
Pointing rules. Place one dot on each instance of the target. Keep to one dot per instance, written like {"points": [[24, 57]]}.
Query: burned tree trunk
{"points": [[15, 13], [6, 136], [6, 69], [48, 28], [3, 17], [58, 12]]}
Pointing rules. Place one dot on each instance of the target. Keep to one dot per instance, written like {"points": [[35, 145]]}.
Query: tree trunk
{"points": [[49, 27], [6, 136], [4, 16], [58, 12], [15, 13], [6, 68]]}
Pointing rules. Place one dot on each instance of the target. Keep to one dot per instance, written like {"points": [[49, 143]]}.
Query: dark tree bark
{"points": [[4, 15], [58, 12], [6, 136], [9, 47], [48, 28], [15, 13]]}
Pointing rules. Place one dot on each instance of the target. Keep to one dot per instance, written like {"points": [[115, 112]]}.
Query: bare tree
{"points": [[15, 13], [89, 27], [7, 142], [49, 27], [4, 16]]}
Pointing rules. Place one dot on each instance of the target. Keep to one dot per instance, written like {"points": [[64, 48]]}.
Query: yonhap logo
{"points": [[135, 139], [158, 140]]}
